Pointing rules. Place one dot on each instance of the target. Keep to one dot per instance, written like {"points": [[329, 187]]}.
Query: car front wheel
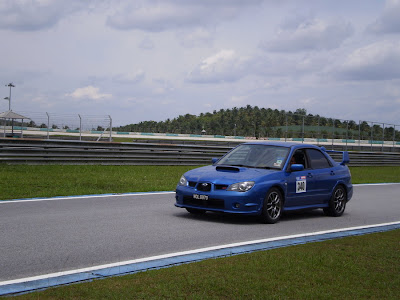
{"points": [[337, 203], [272, 208]]}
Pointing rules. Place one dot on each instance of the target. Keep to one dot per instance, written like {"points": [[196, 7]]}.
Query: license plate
{"points": [[200, 197]]}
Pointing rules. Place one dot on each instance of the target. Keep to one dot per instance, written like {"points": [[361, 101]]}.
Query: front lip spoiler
{"points": [[238, 212]]}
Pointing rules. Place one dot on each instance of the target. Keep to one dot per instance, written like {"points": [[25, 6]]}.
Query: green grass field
{"points": [[23, 181], [359, 267]]}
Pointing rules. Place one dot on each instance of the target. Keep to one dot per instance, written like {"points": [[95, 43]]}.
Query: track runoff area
{"points": [[24, 285]]}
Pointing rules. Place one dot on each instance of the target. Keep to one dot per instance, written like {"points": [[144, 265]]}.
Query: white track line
{"points": [[195, 251], [85, 197]]}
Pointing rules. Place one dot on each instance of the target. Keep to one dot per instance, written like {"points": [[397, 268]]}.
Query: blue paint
{"points": [[171, 261]]}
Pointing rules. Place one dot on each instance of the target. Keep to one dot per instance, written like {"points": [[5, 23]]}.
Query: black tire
{"points": [[272, 206], [337, 203], [195, 211]]}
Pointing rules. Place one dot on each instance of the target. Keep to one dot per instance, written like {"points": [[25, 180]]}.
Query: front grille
{"points": [[210, 203], [221, 186], [204, 187], [192, 183]]}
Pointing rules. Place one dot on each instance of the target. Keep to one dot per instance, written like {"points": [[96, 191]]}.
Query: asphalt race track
{"points": [[59, 234]]}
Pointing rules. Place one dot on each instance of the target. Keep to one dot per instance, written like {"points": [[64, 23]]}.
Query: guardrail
{"points": [[27, 151], [23, 151]]}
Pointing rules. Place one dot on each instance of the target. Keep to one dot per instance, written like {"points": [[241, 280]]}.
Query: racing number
{"points": [[301, 186]]}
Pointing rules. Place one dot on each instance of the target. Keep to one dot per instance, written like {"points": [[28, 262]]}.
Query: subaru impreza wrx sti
{"points": [[266, 179]]}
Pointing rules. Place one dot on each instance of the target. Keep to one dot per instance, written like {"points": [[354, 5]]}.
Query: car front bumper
{"points": [[220, 201]]}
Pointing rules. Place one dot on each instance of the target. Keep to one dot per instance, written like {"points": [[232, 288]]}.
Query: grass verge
{"points": [[359, 267], [375, 174], [25, 181]]}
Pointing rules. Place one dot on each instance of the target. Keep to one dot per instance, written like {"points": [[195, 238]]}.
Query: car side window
{"points": [[299, 157], [317, 159]]}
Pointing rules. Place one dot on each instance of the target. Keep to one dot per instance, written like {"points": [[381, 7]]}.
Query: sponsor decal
{"points": [[278, 162]]}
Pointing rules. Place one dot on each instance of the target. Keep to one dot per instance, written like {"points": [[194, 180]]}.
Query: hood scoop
{"points": [[227, 169]]}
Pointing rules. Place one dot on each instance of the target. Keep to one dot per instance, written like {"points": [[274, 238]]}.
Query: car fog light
{"points": [[236, 205]]}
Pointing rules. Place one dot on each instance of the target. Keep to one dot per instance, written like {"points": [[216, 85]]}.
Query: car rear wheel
{"points": [[272, 208], [195, 211], [337, 203]]}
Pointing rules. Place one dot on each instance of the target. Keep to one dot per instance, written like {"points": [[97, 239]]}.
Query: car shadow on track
{"points": [[225, 218]]}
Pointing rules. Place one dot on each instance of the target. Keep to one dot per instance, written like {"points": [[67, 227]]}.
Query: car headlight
{"points": [[183, 181], [241, 186]]}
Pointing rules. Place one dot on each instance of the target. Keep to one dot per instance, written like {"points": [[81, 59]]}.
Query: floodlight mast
{"points": [[9, 98]]}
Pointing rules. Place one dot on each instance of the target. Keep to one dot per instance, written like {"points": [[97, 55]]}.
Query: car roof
{"points": [[283, 144]]}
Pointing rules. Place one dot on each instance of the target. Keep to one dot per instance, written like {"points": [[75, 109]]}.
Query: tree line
{"points": [[265, 122]]}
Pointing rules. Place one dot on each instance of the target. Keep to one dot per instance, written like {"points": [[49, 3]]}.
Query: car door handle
{"points": [[332, 173]]}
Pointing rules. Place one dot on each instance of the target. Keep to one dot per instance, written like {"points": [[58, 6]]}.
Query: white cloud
{"points": [[378, 61], [147, 44], [224, 66], [156, 16], [42, 101], [162, 87], [310, 35], [197, 37], [88, 92], [238, 100], [389, 21], [32, 15], [308, 101], [130, 78], [392, 89]]}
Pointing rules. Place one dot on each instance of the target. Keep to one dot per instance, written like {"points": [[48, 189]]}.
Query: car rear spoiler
{"points": [[345, 155]]}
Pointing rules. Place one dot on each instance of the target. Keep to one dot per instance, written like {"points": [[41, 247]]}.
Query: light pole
{"points": [[9, 98]]}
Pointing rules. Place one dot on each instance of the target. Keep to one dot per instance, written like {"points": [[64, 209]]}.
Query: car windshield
{"points": [[256, 156]]}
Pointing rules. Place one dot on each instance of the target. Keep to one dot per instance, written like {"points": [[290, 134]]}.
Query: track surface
{"points": [[44, 237]]}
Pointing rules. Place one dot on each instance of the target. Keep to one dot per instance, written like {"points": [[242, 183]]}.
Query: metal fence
{"points": [[289, 126], [306, 126], [22, 151], [45, 123]]}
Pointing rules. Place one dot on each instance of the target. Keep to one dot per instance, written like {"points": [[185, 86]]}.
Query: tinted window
{"points": [[317, 159], [299, 157], [256, 156]]}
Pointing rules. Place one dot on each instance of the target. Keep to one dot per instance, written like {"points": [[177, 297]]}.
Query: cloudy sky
{"points": [[152, 60]]}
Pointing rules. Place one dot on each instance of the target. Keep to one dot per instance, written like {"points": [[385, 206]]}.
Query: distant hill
{"points": [[263, 122]]}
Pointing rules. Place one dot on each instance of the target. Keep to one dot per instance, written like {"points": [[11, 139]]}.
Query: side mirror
{"points": [[296, 167], [214, 160]]}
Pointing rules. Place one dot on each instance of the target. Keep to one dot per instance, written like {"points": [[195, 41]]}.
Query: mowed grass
{"points": [[24, 181], [359, 267], [375, 174]]}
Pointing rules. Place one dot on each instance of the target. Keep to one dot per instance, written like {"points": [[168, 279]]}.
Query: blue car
{"points": [[267, 179]]}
